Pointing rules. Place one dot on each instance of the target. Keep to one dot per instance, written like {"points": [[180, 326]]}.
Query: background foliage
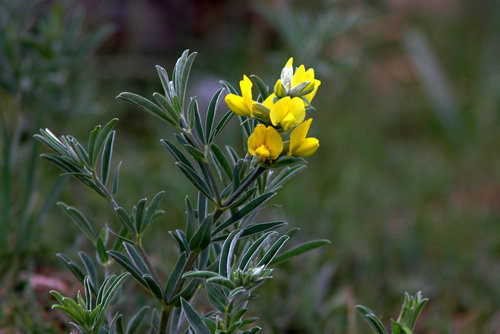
{"points": [[405, 183]]}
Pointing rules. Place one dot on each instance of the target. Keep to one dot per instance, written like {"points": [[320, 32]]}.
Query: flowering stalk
{"points": [[224, 249]]}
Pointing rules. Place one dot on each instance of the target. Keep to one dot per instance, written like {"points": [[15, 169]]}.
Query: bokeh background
{"points": [[406, 183]]}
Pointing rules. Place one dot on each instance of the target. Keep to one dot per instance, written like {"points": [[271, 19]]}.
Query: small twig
{"points": [[257, 172]]}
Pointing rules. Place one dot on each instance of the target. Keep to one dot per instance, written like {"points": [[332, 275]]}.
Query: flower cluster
{"points": [[281, 114]]}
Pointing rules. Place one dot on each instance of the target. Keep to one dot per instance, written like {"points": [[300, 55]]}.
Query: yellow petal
{"points": [[265, 142], [308, 147], [300, 146], [311, 95], [279, 110], [274, 142], [237, 104], [257, 138], [298, 110], [246, 87], [269, 101], [299, 76], [289, 63]]}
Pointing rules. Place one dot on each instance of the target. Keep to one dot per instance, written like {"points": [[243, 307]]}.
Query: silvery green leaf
{"points": [[226, 255], [128, 266], [175, 275], [250, 207], [254, 249], [300, 249], [106, 157], [275, 248], [79, 219], [146, 105], [372, 319], [136, 320], [194, 318], [210, 119], [263, 88]]}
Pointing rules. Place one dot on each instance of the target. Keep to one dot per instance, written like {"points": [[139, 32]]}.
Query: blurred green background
{"points": [[406, 183]]}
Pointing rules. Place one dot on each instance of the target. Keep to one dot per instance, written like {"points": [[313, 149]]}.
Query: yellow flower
{"points": [[300, 146], [241, 105], [298, 83], [301, 75], [265, 143], [288, 112]]}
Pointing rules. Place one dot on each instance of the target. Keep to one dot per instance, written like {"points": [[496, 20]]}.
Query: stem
{"points": [[257, 172], [165, 313], [146, 259], [189, 263]]}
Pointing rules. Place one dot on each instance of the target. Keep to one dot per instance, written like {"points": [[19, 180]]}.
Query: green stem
{"points": [[146, 259], [256, 173], [165, 313]]}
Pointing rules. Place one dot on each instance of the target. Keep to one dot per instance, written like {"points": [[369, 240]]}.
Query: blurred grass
{"points": [[406, 181]]}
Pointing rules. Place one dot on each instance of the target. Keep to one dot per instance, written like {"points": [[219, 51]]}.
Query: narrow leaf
{"points": [[303, 248]]}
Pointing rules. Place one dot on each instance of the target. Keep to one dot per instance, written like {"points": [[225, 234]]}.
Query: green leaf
{"points": [[254, 249], [102, 252], [101, 139], [176, 153], [198, 125], [287, 161], [222, 124], [285, 175], [163, 75], [262, 227], [195, 179], [106, 157], [167, 106], [180, 237], [139, 214], [116, 179], [263, 88], [90, 268], [275, 248], [150, 211], [221, 160], [91, 144], [212, 110], [181, 74], [303, 248], [175, 318], [195, 153], [79, 219], [216, 297], [250, 207], [226, 255], [153, 287], [201, 239], [190, 219], [174, 275], [200, 274], [222, 281], [73, 267], [372, 319], [136, 258], [125, 220], [194, 318], [146, 105], [128, 266], [228, 87], [134, 323]]}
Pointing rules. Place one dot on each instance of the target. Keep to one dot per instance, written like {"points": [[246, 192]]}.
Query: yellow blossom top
{"points": [[241, 105]]}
